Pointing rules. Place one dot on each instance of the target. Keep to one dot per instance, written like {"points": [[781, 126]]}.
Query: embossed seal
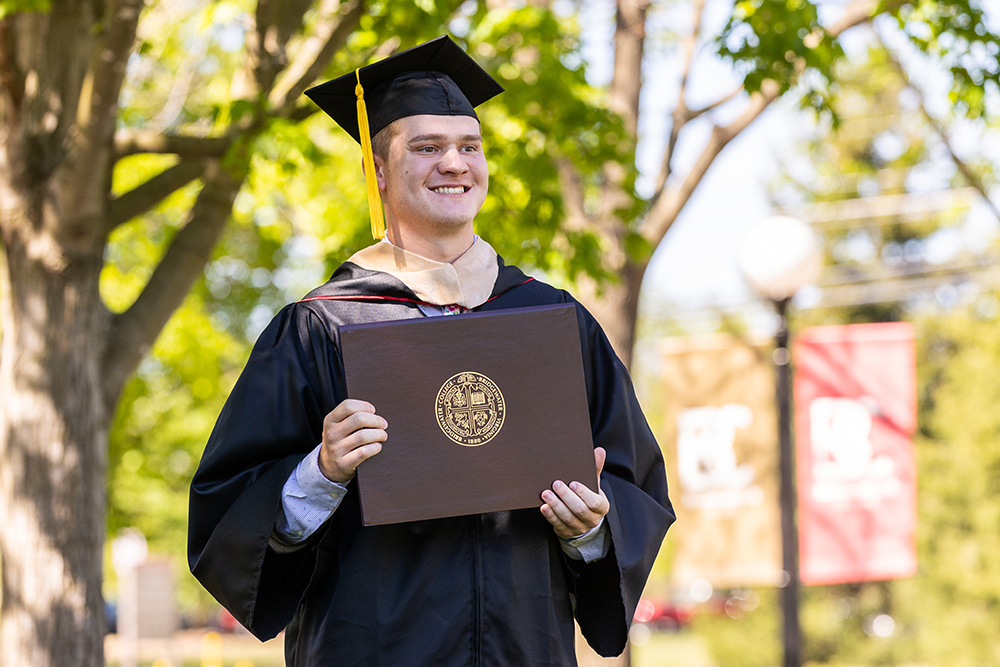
{"points": [[470, 408]]}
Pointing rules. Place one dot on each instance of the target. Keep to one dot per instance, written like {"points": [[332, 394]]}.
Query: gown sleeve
{"points": [[272, 419], [634, 479]]}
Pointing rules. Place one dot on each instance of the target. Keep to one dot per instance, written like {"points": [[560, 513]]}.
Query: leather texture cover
{"points": [[485, 411]]}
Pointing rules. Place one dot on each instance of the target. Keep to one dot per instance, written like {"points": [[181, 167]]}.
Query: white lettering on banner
{"points": [[844, 467], [710, 475]]}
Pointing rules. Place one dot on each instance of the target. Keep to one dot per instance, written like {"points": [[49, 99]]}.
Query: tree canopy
{"points": [[159, 157]]}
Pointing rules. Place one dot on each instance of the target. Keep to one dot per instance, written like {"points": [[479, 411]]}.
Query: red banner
{"points": [[855, 405]]}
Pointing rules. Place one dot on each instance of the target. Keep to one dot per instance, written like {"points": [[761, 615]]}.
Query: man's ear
{"points": [[380, 172]]}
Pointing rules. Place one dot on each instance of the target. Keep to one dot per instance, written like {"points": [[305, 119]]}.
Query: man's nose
{"points": [[452, 162]]}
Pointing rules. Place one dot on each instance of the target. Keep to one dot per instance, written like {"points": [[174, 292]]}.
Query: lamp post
{"points": [[128, 551], [779, 256]]}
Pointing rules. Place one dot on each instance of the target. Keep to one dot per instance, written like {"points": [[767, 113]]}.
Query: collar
{"points": [[468, 281]]}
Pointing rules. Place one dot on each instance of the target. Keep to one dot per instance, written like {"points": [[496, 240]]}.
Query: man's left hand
{"points": [[572, 508]]}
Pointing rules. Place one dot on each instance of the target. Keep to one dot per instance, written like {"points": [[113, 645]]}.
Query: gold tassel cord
{"points": [[368, 159]]}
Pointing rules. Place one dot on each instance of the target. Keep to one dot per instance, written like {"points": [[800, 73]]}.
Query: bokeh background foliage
{"points": [[302, 211]]}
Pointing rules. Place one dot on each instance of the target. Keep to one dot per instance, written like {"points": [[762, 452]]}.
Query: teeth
{"points": [[449, 191]]}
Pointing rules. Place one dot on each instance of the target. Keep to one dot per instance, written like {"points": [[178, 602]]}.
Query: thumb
{"points": [[599, 457]]}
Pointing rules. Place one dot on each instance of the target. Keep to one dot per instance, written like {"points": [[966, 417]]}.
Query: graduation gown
{"points": [[492, 589]]}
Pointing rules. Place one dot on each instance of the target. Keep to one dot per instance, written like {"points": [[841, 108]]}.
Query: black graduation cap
{"points": [[436, 77]]}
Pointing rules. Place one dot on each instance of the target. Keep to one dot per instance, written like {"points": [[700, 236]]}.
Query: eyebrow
{"points": [[440, 137]]}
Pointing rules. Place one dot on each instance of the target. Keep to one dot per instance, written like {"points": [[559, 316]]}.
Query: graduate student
{"points": [[275, 525]]}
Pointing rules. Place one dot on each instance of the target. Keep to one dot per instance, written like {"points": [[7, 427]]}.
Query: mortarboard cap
{"points": [[436, 78]]}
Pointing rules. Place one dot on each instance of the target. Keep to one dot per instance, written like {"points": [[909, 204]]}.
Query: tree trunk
{"points": [[53, 442], [63, 356], [60, 383], [616, 306], [55, 154]]}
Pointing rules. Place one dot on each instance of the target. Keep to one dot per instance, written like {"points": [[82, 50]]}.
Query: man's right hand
{"points": [[352, 433]]}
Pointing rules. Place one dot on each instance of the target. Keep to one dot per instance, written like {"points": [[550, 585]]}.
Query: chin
{"points": [[454, 218], [453, 223]]}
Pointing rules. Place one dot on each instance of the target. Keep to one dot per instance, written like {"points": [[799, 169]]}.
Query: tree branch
{"points": [[858, 12], [128, 142], [98, 105], [302, 111], [134, 331], [681, 113], [88, 166], [147, 195], [335, 24], [626, 79], [963, 167], [180, 88], [264, 48], [11, 76], [572, 192], [697, 113], [667, 205], [623, 99]]}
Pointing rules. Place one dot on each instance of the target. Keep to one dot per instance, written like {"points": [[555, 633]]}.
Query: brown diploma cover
{"points": [[485, 411]]}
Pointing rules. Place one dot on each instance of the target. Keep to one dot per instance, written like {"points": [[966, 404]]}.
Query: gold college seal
{"points": [[469, 408]]}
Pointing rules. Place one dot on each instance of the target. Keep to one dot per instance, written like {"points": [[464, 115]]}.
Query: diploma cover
{"points": [[485, 411]]}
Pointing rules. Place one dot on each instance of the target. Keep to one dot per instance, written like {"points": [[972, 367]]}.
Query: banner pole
{"points": [[791, 630]]}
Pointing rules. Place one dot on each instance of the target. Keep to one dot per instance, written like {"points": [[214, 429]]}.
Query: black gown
{"points": [[492, 589]]}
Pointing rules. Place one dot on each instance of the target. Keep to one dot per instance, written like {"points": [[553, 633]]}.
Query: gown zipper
{"points": [[477, 595]]}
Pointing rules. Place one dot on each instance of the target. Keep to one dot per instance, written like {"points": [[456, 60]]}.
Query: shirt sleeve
{"points": [[589, 547], [308, 499]]}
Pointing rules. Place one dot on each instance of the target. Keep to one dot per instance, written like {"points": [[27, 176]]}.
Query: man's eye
{"points": [[426, 149]]}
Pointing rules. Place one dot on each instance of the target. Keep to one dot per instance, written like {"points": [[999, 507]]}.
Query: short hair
{"points": [[383, 138]]}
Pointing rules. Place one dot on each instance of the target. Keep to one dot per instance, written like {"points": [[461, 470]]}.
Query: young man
{"points": [[275, 527]]}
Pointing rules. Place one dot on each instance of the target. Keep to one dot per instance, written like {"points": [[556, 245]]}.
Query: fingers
{"points": [[581, 500], [354, 429], [358, 455], [571, 501], [561, 529], [595, 501], [349, 417], [573, 509], [348, 407], [352, 433]]}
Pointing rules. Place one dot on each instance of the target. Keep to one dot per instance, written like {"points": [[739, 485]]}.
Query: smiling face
{"points": [[434, 180]]}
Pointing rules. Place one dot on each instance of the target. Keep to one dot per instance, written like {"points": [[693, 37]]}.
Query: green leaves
{"points": [[8, 7], [958, 35], [781, 41], [548, 113]]}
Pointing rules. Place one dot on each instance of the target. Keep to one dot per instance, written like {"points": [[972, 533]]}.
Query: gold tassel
{"points": [[368, 159]]}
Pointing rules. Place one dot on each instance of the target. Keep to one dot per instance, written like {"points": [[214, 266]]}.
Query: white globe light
{"points": [[780, 255]]}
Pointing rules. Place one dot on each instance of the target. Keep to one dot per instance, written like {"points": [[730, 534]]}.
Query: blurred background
{"points": [[636, 149]]}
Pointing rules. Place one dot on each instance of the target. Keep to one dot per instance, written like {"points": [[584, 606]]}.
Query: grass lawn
{"points": [[674, 649]]}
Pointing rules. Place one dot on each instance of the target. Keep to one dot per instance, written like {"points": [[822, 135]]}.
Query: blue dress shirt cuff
{"points": [[592, 545], [308, 499]]}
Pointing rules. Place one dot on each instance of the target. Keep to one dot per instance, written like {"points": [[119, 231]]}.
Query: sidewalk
{"points": [[243, 650], [188, 646]]}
